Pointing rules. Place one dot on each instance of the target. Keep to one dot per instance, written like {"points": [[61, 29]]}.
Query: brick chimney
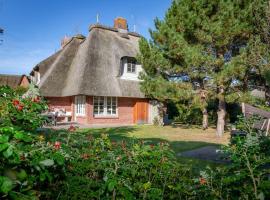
{"points": [[120, 23]]}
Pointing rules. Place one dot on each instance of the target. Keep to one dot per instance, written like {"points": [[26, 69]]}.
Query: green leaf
{"points": [[111, 185], [3, 146], [60, 160], [147, 185], [22, 175], [8, 152], [42, 177], [21, 196], [47, 162], [22, 136], [3, 138], [6, 185]]}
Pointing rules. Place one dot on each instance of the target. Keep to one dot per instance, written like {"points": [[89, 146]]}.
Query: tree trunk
{"points": [[205, 119], [203, 94], [221, 112]]}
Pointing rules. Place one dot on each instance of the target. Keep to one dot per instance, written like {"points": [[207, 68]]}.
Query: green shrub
{"points": [[21, 111], [107, 169], [29, 164], [248, 175]]}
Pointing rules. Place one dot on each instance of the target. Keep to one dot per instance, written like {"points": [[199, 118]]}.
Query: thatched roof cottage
{"points": [[95, 78]]}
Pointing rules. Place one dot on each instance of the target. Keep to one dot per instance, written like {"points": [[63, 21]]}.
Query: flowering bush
{"points": [[248, 175], [106, 169], [21, 111], [28, 163]]}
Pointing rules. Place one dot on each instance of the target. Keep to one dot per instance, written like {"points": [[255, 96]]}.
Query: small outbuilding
{"points": [[14, 81]]}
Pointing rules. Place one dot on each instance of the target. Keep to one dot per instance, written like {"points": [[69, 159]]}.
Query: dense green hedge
{"points": [[105, 169]]}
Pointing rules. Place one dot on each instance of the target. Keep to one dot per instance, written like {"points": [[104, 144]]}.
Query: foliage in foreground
{"points": [[124, 170], [28, 163], [105, 169]]}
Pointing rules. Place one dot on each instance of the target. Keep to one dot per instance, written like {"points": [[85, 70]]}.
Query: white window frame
{"points": [[80, 105], [132, 66], [105, 107]]}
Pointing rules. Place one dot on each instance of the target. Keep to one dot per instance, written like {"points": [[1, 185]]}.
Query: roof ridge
{"points": [[77, 36], [91, 27]]}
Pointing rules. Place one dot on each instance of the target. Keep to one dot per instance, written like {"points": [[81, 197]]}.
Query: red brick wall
{"points": [[125, 110], [120, 23], [65, 103]]}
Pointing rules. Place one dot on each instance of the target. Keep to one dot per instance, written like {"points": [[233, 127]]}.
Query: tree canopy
{"points": [[219, 47]]}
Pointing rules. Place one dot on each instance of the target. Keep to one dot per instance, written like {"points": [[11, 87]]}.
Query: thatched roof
{"points": [[12, 81], [90, 66]]}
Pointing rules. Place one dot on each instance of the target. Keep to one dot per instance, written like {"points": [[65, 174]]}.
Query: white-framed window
{"points": [[131, 66], [80, 105], [105, 106]]}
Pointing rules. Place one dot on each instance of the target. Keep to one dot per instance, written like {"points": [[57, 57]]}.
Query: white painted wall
{"points": [[154, 107]]}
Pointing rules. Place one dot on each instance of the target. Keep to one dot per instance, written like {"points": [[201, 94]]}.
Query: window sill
{"points": [[106, 117]]}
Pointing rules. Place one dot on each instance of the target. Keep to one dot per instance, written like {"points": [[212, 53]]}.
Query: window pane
{"points": [[101, 110], [95, 110], [105, 105], [109, 104], [114, 110], [128, 67], [101, 100], [133, 68], [109, 100], [80, 105]]}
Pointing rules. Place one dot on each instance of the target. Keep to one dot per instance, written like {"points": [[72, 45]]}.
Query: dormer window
{"points": [[129, 69], [131, 66]]}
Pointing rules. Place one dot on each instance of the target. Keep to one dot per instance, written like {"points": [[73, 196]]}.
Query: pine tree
{"points": [[210, 42]]}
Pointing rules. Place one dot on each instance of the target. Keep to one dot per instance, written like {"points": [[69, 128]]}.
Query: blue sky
{"points": [[34, 28]]}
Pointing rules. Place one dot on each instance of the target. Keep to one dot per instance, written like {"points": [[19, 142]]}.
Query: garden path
{"points": [[208, 153]]}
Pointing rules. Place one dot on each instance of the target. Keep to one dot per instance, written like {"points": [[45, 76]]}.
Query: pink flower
{"points": [[202, 181], [15, 102], [19, 107], [57, 145]]}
